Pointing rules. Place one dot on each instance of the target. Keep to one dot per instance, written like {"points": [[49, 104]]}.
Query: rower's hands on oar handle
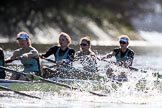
{"points": [[58, 62], [63, 61], [106, 57], [41, 55], [23, 56], [8, 60], [11, 59]]}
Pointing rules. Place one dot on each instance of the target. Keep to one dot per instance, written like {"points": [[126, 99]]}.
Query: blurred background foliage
{"points": [[27, 15]]}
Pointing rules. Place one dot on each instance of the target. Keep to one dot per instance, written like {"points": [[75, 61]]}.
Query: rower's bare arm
{"points": [[15, 56], [109, 55], [128, 62], [31, 54]]}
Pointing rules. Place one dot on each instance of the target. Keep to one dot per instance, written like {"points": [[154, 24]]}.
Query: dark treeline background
{"points": [[17, 15]]}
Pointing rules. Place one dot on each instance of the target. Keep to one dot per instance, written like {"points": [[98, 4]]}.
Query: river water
{"points": [[125, 97]]}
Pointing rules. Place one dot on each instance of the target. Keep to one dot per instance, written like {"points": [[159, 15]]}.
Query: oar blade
{"points": [[17, 92]]}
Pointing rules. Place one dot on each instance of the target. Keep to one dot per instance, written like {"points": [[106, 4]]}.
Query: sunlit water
{"points": [[125, 96]]}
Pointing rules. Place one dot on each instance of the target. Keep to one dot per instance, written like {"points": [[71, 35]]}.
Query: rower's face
{"points": [[123, 44], [22, 43], [84, 45], [63, 41]]}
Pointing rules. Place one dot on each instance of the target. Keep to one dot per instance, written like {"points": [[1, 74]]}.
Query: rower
{"points": [[63, 54], [124, 56], [87, 59], [28, 55], [86, 56], [2, 72]]}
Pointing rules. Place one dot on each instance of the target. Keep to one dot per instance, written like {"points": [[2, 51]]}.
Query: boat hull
{"points": [[30, 86]]}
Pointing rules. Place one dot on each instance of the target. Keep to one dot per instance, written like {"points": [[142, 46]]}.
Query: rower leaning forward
{"points": [[63, 55], [28, 56], [124, 57], [87, 58]]}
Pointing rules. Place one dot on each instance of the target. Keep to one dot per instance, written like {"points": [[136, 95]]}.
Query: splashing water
{"points": [[141, 90]]}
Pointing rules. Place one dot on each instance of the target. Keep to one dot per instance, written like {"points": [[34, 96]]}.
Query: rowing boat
{"points": [[20, 85], [42, 86], [91, 86]]}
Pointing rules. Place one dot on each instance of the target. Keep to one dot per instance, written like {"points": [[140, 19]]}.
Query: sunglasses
{"points": [[21, 40], [121, 42], [83, 44]]}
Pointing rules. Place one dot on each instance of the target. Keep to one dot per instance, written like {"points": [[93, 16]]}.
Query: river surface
{"points": [[125, 97]]}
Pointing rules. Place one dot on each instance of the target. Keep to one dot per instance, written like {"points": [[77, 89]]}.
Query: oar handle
{"points": [[57, 83], [98, 94], [10, 60], [42, 57], [128, 67], [17, 58], [136, 69], [156, 74]]}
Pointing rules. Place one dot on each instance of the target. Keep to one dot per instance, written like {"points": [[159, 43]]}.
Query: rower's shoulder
{"points": [[71, 49], [1, 51], [131, 51], [53, 48], [116, 49], [78, 52], [92, 53], [32, 48]]}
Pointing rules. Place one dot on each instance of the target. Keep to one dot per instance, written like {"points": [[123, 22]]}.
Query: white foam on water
{"points": [[126, 95]]}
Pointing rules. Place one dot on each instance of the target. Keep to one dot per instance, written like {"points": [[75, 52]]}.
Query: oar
{"points": [[47, 59], [91, 92], [70, 67], [47, 80], [128, 67], [35, 77], [43, 79], [9, 61], [135, 69], [17, 92], [98, 94]]}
